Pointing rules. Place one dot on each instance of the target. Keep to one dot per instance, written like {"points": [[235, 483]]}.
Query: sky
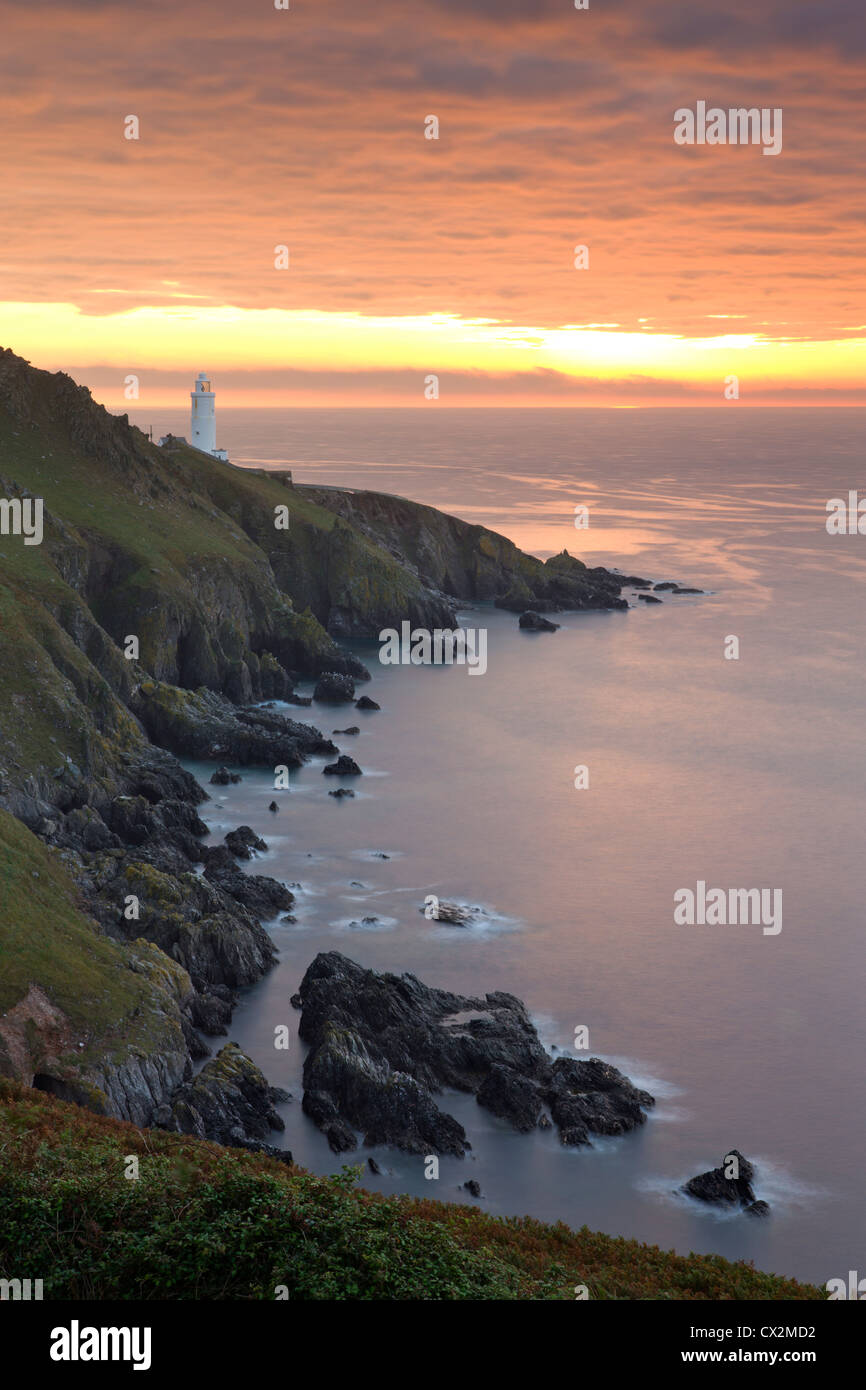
{"points": [[412, 258]]}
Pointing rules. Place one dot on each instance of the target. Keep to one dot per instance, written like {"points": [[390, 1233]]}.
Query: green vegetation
{"points": [[210, 1223], [95, 999]]}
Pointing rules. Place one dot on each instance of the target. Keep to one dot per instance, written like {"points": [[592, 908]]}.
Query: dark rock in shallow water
{"points": [[305, 700], [263, 896], [715, 1186], [366, 703], [647, 598], [688, 591], [243, 841], [353, 729], [341, 792], [222, 777], [381, 1047], [454, 914], [201, 724], [758, 1209], [473, 1187], [334, 689], [533, 622], [343, 767], [504, 1092], [667, 585], [273, 807], [229, 1101], [373, 1166]]}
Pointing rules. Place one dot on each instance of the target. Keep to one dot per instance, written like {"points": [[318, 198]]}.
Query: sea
{"points": [[722, 741]]}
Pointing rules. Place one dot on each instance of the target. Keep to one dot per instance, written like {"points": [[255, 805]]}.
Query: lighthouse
{"points": [[203, 417]]}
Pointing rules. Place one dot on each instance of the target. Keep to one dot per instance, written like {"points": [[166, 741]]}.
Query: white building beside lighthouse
{"points": [[203, 417]]}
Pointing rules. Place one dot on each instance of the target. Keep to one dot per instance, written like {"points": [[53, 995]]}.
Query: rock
{"points": [[647, 598], [243, 841], [504, 1092], [532, 621], [381, 1047], [455, 914], [473, 1187], [305, 700], [197, 922], [352, 730], [689, 591], [366, 703], [758, 1209], [222, 777], [273, 807], [229, 1101], [374, 1167], [263, 896], [211, 1014], [666, 585], [334, 689], [201, 724], [715, 1187], [341, 792], [343, 767], [295, 1001]]}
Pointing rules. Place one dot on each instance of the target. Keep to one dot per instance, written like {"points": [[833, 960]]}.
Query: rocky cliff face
{"points": [[167, 595], [466, 561]]}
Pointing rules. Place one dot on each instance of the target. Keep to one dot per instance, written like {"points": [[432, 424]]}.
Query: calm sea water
{"points": [[745, 773]]}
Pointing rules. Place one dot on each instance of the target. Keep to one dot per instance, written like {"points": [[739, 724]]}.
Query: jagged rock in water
{"points": [[454, 914], [648, 598], [229, 1101], [366, 703], [342, 792], [259, 894], [242, 841], [223, 778], [203, 725], [343, 767], [382, 1046], [334, 689], [473, 1187], [533, 622], [353, 729], [716, 1187]]}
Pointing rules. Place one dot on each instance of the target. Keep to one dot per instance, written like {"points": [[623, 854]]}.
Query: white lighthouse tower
{"points": [[203, 417]]}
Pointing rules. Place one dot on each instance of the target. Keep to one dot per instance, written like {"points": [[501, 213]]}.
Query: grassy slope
{"points": [[112, 998], [210, 1223], [183, 506]]}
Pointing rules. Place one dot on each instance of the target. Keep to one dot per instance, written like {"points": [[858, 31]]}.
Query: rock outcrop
{"points": [[728, 1185], [228, 1101], [534, 622], [382, 1046]]}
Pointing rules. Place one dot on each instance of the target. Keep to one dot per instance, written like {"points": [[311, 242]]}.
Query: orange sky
{"points": [[453, 257]]}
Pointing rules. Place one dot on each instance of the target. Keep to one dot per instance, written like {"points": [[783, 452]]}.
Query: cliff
{"points": [[167, 594]]}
